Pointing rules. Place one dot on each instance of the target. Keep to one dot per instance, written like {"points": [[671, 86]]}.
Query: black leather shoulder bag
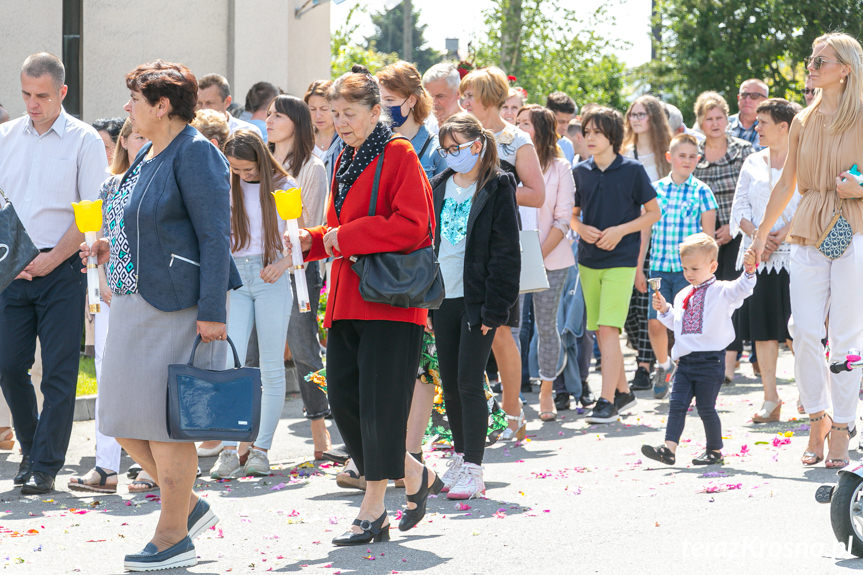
{"points": [[396, 279]]}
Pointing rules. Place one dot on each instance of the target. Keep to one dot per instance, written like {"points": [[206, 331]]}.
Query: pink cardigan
{"points": [[556, 212]]}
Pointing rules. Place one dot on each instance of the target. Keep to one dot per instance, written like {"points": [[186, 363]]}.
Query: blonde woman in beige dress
{"points": [[825, 140]]}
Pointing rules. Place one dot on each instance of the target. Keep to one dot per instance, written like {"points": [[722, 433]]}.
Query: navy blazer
{"points": [[178, 221]]}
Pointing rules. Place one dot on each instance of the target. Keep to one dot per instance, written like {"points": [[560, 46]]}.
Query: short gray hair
{"points": [[443, 71], [37, 65], [675, 117]]}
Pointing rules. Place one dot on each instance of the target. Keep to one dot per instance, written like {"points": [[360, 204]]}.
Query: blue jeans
{"points": [[305, 347], [698, 374], [268, 307]]}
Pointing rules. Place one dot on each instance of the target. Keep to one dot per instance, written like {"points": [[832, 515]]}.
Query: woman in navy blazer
{"points": [[167, 249]]}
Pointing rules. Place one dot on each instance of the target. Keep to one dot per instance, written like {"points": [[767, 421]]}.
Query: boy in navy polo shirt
{"points": [[614, 203]]}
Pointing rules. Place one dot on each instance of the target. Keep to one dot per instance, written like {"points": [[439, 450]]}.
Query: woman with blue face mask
{"points": [[408, 104], [480, 260]]}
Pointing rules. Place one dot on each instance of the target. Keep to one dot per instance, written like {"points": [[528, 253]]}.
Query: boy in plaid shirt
{"points": [[688, 207]]}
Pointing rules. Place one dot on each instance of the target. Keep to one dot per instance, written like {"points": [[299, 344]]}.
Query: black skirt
{"points": [[764, 315]]}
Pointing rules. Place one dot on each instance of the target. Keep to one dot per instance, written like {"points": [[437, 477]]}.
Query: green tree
{"points": [[534, 40], [345, 52], [388, 36], [716, 44]]}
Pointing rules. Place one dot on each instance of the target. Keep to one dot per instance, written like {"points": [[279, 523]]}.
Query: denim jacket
{"points": [[178, 221]]}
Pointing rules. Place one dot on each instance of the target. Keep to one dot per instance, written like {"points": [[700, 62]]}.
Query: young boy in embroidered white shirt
{"points": [[701, 321]]}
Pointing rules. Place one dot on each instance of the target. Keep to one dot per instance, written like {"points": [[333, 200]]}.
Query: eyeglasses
{"points": [[453, 150], [818, 61], [638, 115], [751, 96], [808, 91]]}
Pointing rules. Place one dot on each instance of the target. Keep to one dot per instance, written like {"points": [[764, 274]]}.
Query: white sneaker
{"points": [[452, 474], [257, 464], [470, 483], [227, 465]]}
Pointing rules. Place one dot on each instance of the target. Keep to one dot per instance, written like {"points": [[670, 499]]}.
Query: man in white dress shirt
{"points": [[214, 93], [48, 159]]}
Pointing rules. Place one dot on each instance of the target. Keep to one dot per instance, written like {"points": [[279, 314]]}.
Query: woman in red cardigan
{"points": [[373, 350]]}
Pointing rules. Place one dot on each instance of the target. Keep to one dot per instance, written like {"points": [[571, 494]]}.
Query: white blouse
{"points": [[754, 185]]}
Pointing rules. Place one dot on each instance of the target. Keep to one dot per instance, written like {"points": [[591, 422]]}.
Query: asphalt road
{"points": [[574, 498]]}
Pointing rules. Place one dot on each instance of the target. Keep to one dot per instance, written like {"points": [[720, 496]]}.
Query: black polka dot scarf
{"points": [[354, 161]]}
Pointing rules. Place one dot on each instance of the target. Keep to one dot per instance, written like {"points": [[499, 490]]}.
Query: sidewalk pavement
{"points": [[573, 498]]}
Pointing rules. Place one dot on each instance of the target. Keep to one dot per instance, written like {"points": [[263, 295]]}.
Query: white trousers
{"points": [[822, 290], [107, 448]]}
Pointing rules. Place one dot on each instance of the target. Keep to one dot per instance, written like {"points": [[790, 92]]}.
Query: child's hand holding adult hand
{"points": [[609, 238], [659, 303], [756, 250], [749, 262]]}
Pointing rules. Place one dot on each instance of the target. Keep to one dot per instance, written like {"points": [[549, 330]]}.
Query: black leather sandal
{"points": [[372, 531], [661, 454], [709, 457], [410, 517]]}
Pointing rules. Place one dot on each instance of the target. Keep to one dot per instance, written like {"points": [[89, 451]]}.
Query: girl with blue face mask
{"points": [[409, 105], [478, 250]]}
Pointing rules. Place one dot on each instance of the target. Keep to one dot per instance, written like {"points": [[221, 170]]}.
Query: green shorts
{"points": [[606, 295]]}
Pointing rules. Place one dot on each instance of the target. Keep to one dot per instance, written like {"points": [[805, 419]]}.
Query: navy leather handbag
{"points": [[208, 404]]}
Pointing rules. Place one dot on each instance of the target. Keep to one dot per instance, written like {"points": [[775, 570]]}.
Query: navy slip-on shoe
{"points": [[201, 518], [181, 554]]}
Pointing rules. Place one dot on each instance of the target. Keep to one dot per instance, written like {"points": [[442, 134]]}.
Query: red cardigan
{"points": [[400, 224]]}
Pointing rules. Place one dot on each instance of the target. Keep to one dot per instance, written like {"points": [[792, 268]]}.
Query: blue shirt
{"points": [[567, 148], [736, 129], [262, 126], [611, 198], [431, 161], [682, 206]]}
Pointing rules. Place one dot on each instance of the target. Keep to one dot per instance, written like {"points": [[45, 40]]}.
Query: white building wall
{"points": [[244, 40], [25, 28], [118, 36], [308, 49]]}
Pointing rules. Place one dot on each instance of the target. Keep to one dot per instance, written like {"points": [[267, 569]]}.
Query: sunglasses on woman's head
{"points": [[818, 61]]}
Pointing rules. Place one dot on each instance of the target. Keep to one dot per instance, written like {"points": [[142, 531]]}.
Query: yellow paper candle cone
{"points": [[88, 215], [289, 203]]}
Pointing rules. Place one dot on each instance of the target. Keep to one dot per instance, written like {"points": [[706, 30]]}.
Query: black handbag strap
{"points": [[198, 340], [373, 202], [424, 148]]}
